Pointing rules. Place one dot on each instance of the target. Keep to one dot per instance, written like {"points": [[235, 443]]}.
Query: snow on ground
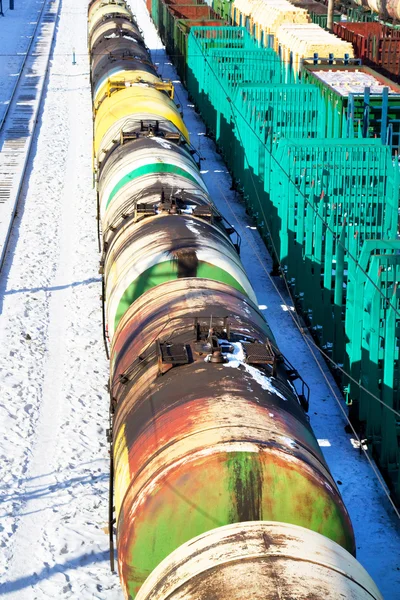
{"points": [[16, 31], [53, 407]]}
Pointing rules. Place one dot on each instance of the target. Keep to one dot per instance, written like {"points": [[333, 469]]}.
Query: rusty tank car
{"points": [[219, 486]]}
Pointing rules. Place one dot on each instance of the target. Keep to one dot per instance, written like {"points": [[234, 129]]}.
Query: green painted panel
{"points": [[146, 170], [167, 271], [230, 488]]}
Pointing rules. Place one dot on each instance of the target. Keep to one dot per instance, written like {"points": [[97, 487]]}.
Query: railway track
{"points": [[18, 125]]}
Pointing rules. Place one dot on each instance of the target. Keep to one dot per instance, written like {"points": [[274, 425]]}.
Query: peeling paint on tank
{"points": [[213, 439], [259, 560]]}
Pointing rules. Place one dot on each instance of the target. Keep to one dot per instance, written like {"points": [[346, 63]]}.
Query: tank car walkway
{"points": [[20, 107]]}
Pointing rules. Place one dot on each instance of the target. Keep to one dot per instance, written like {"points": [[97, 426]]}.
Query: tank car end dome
{"points": [[259, 560]]}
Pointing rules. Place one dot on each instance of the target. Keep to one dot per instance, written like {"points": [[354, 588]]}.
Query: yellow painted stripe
{"points": [[122, 475], [131, 76], [106, 10], [135, 100]]}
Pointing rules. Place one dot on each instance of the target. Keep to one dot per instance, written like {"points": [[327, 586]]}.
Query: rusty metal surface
{"points": [[144, 254], [207, 429], [106, 11], [147, 188], [206, 445], [260, 561], [118, 48], [118, 25], [171, 310]]}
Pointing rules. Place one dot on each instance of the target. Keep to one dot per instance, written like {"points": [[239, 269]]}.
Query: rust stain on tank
{"points": [[186, 261]]}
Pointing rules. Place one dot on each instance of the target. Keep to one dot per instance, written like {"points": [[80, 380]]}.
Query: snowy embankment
{"points": [[54, 405], [16, 31]]}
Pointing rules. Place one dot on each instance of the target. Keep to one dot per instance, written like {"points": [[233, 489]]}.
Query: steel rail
{"points": [[14, 154], [3, 119]]}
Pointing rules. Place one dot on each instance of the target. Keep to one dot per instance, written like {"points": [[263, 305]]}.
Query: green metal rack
{"points": [[325, 195], [377, 114], [359, 14], [224, 8], [373, 331]]}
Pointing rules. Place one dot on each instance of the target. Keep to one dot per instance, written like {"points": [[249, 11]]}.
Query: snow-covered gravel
{"points": [[54, 405], [16, 31]]}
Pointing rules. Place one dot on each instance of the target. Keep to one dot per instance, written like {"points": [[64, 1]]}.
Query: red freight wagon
{"points": [[376, 44]]}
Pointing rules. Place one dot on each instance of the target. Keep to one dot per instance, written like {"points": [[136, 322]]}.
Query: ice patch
{"points": [[163, 143], [193, 227], [237, 358], [287, 308], [288, 441], [324, 443]]}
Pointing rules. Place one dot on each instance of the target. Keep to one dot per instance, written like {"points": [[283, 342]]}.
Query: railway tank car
{"points": [[216, 470]]}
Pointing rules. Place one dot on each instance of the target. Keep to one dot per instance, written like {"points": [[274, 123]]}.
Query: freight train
{"points": [[221, 489], [311, 138]]}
